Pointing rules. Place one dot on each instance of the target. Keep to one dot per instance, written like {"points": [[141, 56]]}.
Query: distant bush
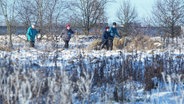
{"points": [[143, 43], [150, 73]]}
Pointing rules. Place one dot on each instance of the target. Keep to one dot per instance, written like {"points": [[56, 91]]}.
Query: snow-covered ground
{"points": [[48, 74]]}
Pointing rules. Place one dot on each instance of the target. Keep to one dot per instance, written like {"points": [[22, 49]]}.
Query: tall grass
{"points": [[86, 78]]}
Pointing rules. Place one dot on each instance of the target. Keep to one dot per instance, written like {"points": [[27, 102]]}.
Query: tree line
{"points": [[86, 14]]}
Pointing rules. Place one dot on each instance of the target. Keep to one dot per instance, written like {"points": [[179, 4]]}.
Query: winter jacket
{"points": [[66, 34], [114, 32], [31, 34], [106, 35]]}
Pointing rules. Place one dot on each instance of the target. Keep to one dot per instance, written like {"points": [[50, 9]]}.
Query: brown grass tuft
{"points": [[118, 43], [95, 45], [5, 48], [143, 43]]}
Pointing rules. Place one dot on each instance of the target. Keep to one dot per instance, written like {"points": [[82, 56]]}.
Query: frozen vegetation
{"points": [[47, 74]]}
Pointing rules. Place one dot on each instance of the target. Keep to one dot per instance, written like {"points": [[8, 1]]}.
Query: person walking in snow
{"points": [[66, 35], [113, 33], [31, 34], [105, 38]]}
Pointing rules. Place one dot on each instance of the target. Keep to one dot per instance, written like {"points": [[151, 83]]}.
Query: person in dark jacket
{"points": [[113, 33], [31, 34], [66, 35], [105, 38]]}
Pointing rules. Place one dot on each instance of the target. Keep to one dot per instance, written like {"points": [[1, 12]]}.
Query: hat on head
{"points": [[114, 23], [67, 25], [33, 23], [107, 27]]}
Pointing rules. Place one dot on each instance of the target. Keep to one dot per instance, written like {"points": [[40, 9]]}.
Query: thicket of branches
{"points": [[127, 15], [86, 14], [169, 14]]}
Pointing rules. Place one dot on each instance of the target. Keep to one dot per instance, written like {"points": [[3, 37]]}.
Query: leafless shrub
{"points": [[153, 70], [127, 14], [85, 85], [88, 13], [169, 15]]}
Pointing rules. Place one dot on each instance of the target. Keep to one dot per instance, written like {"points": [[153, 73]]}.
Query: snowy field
{"points": [[48, 74]]}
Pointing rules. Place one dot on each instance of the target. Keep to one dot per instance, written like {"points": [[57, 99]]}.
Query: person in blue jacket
{"points": [[113, 33], [31, 34], [105, 38], [66, 35]]}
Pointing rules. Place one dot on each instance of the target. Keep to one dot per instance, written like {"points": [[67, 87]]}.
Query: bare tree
{"points": [[25, 11], [46, 13], [39, 7], [50, 13], [169, 15], [30, 11], [55, 12], [7, 8], [126, 15], [89, 12]]}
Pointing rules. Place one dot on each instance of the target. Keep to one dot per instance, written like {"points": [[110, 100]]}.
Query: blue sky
{"points": [[143, 7]]}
